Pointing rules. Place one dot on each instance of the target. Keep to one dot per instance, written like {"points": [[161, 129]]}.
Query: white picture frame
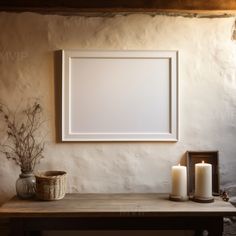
{"points": [[119, 95]]}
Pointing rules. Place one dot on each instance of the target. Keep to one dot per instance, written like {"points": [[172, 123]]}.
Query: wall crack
{"points": [[234, 31]]}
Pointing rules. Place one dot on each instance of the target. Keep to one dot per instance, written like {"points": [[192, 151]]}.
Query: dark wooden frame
{"points": [[116, 5], [211, 157]]}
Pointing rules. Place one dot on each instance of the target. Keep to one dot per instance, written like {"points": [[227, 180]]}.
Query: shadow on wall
{"points": [[58, 92]]}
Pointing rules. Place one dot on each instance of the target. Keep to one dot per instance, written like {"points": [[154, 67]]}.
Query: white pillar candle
{"points": [[203, 180], [179, 181]]}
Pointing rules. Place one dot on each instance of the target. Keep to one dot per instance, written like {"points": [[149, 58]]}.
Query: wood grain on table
{"points": [[76, 205]]}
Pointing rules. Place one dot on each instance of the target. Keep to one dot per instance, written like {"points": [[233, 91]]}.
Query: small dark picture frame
{"points": [[211, 157]]}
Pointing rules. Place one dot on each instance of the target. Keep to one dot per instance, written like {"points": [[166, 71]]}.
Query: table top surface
{"points": [[115, 205]]}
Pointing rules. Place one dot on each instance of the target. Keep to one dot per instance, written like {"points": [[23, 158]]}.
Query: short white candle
{"points": [[203, 180], [179, 181]]}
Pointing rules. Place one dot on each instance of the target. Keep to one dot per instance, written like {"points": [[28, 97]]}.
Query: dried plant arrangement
{"points": [[23, 143]]}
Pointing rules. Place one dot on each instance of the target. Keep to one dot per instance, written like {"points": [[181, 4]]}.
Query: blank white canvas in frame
{"points": [[119, 95]]}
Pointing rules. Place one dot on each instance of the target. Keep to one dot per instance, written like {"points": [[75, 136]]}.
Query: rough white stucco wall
{"points": [[207, 95]]}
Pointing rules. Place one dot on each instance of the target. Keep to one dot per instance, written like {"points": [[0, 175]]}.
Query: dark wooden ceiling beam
{"points": [[116, 5]]}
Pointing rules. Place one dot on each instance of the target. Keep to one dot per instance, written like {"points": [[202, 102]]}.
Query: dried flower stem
{"points": [[22, 146]]}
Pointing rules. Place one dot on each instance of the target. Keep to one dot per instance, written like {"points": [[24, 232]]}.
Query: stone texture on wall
{"points": [[207, 95]]}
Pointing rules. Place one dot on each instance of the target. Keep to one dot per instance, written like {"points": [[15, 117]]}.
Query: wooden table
{"points": [[115, 212]]}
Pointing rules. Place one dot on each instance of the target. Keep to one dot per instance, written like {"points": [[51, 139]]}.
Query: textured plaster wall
{"points": [[207, 95]]}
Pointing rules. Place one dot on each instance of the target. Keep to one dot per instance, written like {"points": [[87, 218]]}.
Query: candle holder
{"points": [[178, 198], [202, 199]]}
